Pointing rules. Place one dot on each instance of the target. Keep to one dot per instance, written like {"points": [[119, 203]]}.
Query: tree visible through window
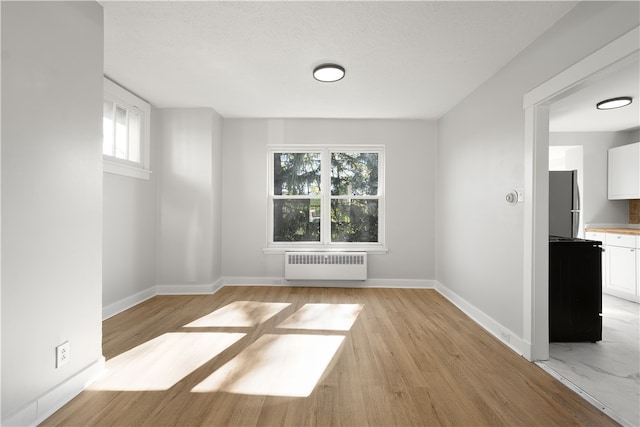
{"points": [[354, 181], [296, 207], [326, 196]]}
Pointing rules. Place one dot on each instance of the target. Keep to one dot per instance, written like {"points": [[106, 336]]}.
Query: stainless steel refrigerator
{"points": [[564, 203]]}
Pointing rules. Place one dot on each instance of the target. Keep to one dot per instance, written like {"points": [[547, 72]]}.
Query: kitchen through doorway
{"points": [[604, 372], [536, 103], [568, 158]]}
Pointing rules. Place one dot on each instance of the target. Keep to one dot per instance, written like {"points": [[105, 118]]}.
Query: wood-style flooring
{"points": [[276, 356]]}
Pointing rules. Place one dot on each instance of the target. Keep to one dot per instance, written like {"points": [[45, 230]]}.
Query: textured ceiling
{"points": [[578, 113], [254, 59]]}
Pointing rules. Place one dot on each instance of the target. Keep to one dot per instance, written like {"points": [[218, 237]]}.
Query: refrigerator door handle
{"points": [[575, 212], [576, 191], [576, 222]]}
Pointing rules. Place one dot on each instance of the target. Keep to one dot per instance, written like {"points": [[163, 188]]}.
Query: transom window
{"points": [[125, 132], [120, 131], [326, 197]]}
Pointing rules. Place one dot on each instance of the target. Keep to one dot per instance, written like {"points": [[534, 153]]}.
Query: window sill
{"points": [[279, 250], [116, 168]]}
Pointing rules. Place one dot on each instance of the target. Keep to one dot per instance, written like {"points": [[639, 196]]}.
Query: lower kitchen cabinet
{"points": [[620, 264], [622, 269]]}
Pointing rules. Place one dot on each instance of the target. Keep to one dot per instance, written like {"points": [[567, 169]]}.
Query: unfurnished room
{"points": [[320, 213]]}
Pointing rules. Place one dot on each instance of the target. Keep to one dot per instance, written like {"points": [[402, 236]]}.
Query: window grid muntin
{"points": [[326, 197], [309, 169], [138, 162], [118, 141], [353, 193]]}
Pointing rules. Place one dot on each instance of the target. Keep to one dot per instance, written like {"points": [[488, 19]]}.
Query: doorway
{"points": [[536, 252], [537, 159]]}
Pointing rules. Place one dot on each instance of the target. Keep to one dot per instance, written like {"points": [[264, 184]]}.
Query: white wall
{"points": [[596, 207], [481, 157], [190, 165], [52, 61], [410, 182], [129, 229]]}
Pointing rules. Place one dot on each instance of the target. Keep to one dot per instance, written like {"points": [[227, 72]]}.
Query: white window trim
{"points": [[113, 165], [325, 244]]}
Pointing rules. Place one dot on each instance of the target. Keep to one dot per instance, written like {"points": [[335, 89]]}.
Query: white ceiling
{"points": [[578, 113], [254, 59]]}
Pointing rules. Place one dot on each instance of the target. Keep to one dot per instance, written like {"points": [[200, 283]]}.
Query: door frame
{"points": [[536, 183]]}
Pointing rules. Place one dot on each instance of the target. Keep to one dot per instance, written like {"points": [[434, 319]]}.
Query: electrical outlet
{"points": [[62, 354]]}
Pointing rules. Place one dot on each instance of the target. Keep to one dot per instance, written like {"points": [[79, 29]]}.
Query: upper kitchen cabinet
{"points": [[624, 172]]}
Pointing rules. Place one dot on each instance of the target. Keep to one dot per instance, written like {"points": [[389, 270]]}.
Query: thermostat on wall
{"points": [[513, 197]]}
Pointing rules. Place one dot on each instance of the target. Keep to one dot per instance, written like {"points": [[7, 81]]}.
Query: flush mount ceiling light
{"points": [[609, 104], [328, 72]]}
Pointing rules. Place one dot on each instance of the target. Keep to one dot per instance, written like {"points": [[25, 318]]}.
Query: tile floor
{"points": [[608, 372]]}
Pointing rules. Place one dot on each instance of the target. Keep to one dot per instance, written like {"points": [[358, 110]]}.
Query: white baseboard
{"points": [[252, 281], [128, 302], [400, 283], [189, 288], [173, 289], [496, 329], [43, 407], [369, 283]]}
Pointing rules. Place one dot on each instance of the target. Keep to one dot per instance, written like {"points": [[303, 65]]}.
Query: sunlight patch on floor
{"points": [[324, 317], [162, 362], [275, 365], [240, 314]]}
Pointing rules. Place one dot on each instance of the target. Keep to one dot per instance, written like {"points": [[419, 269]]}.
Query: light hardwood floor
{"points": [[320, 356]]}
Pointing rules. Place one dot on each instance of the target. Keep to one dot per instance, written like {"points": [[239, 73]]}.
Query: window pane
{"points": [[354, 220], [134, 136], [296, 174], [296, 220], [121, 133], [107, 128], [354, 174]]}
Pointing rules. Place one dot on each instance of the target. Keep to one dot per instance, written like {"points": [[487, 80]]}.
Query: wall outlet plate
{"points": [[62, 354]]}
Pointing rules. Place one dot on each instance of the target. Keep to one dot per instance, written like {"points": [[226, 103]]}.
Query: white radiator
{"points": [[325, 265]]}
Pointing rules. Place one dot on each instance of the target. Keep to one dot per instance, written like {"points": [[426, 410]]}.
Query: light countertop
{"points": [[620, 229]]}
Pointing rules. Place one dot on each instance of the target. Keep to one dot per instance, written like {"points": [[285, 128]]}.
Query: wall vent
{"points": [[325, 265]]}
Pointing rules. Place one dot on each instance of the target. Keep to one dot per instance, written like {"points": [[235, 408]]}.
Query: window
{"points": [[125, 132], [326, 197]]}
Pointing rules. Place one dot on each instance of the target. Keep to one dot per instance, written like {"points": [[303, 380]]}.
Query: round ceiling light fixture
{"points": [[328, 73], [610, 104]]}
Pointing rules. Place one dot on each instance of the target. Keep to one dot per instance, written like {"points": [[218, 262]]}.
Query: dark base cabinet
{"points": [[575, 290]]}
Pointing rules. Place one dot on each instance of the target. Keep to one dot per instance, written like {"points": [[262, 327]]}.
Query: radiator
{"points": [[325, 265]]}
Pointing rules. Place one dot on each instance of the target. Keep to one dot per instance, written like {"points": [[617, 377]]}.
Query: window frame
{"points": [[123, 98], [325, 243]]}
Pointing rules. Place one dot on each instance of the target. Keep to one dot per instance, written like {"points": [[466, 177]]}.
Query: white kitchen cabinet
{"points": [[624, 172], [621, 261], [622, 269]]}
